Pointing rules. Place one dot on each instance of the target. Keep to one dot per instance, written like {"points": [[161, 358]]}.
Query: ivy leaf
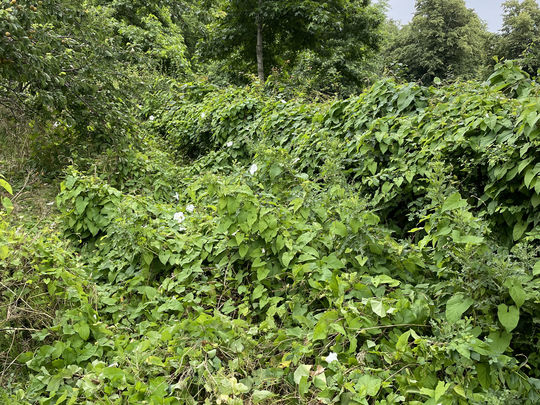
{"points": [[454, 202], [456, 306], [508, 316]]}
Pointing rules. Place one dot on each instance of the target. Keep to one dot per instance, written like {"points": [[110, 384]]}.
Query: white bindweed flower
{"points": [[203, 115], [331, 357], [179, 217], [229, 144], [190, 208], [55, 125], [152, 118], [253, 169], [263, 250], [176, 196]]}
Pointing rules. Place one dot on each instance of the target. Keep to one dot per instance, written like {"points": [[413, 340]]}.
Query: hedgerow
{"points": [[377, 250]]}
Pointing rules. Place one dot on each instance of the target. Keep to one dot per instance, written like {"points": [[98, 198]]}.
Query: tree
{"points": [[445, 39], [62, 70], [270, 33], [520, 37]]}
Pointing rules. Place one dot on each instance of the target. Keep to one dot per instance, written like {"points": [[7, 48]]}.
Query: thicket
{"points": [[380, 249]]}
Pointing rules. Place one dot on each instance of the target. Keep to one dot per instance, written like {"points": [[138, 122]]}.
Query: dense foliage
{"points": [[167, 237], [355, 251]]}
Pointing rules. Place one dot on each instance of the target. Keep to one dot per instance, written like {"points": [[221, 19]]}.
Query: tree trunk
{"points": [[260, 59]]}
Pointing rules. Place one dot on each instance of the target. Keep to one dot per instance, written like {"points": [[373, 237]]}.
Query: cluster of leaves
{"points": [[67, 76], [386, 141], [304, 253], [58, 61]]}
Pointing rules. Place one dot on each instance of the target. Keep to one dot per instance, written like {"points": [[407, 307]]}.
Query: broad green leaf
{"points": [[82, 329], [333, 262], [458, 389], [484, 375], [321, 330], [403, 341], [384, 279], [536, 268], [54, 383], [301, 371], [535, 200], [339, 228], [242, 250], [286, 258], [258, 292], [370, 384], [508, 316], [378, 308], [519, 230], [456, 307], [4, 252], [261, 395], [441, 389], [499, 341], [148, 257], [6, 186], [319, 380], [303, 385], [80, 204], [113, 373], [454, 202], [529, 176], [7, 204], [164, 256], [518, 294], [262, 272]]}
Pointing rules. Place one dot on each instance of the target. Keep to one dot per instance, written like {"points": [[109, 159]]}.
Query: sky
{"points": [[488, 10]]}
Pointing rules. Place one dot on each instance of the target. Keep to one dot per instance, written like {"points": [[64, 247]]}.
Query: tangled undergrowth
{"points": [[377, 250]]}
